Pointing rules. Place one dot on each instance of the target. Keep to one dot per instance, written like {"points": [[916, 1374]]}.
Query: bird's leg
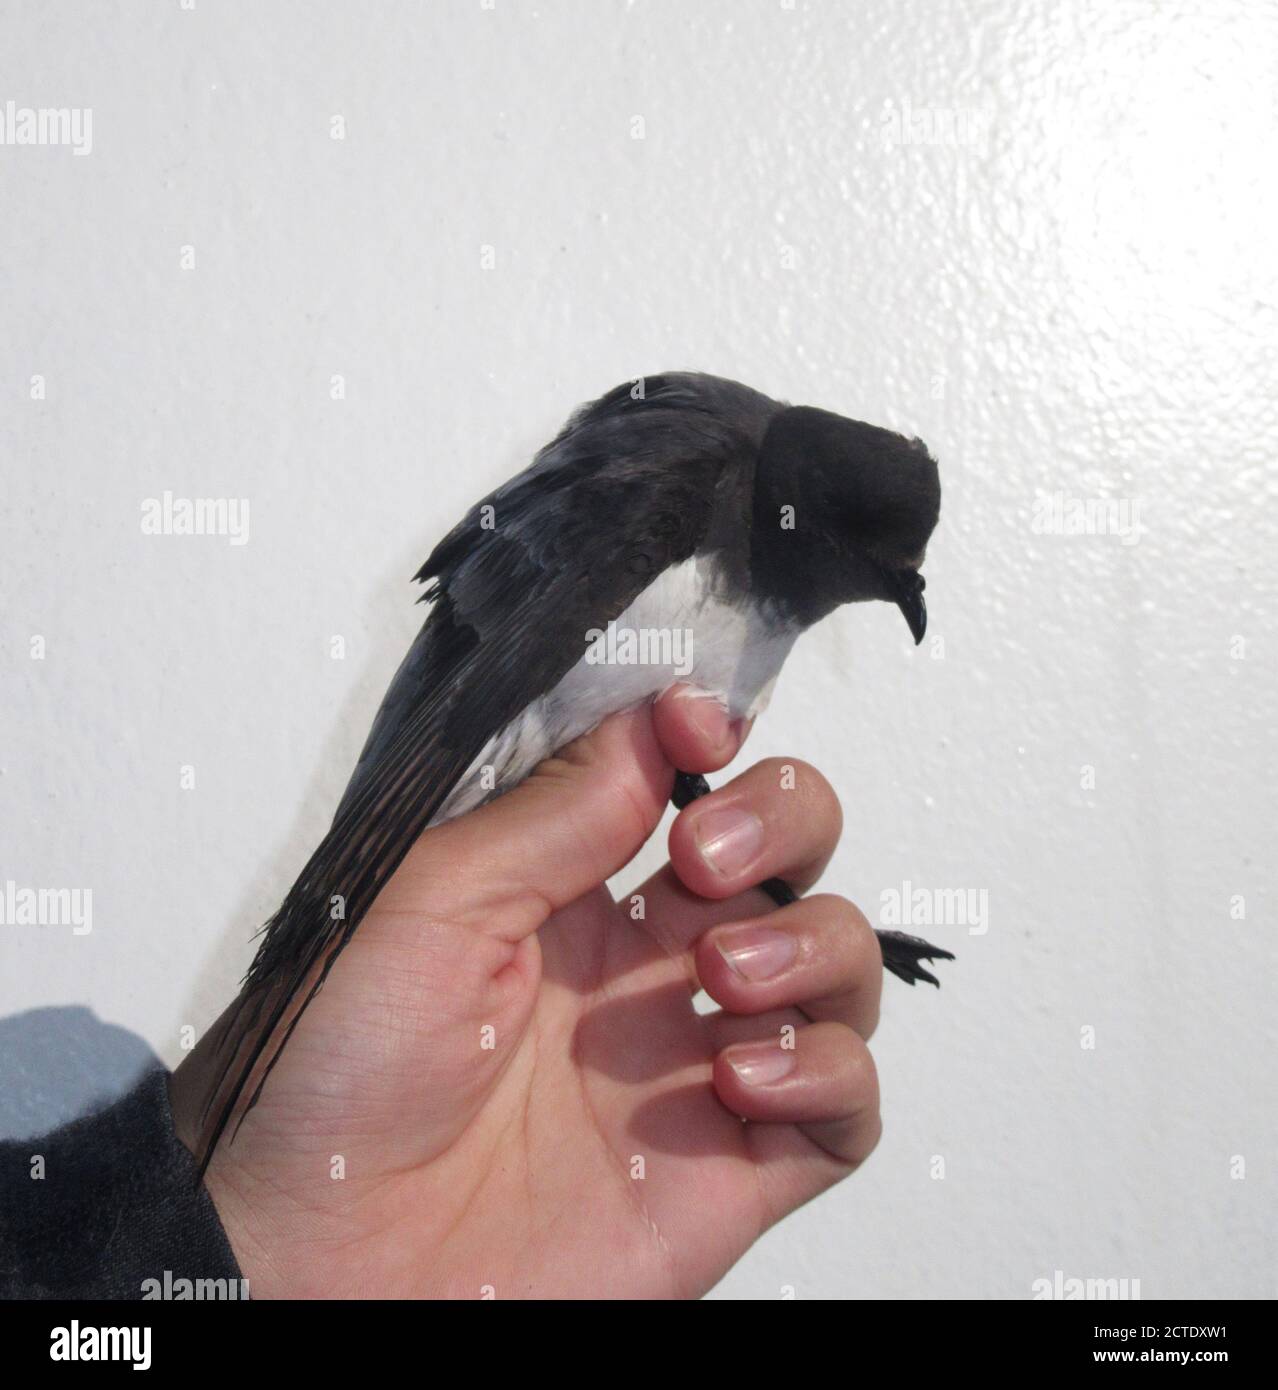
{"points": [[901, 952]]}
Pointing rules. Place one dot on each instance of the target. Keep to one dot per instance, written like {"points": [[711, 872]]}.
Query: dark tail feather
{"points": [[373, 832], [237, 1036]]}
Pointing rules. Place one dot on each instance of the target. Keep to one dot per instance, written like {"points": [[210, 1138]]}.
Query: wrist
{"points": [[263, 1220]]}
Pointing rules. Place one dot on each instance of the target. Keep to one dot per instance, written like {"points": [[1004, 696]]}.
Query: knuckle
{"points": [[815, 795], [845, 927], [820, 800], [862, 1074], [863, 943], [841, 913], [869, 1139]]}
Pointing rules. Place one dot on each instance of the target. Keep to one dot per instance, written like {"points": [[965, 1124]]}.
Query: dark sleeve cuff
{"points": [[117, 1213]]}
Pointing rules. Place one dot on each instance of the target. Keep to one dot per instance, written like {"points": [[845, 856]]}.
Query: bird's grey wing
{"points": [[629, 487]]}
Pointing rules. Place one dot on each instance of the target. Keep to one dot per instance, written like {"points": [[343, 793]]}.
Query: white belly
{"points": [[678, 629]]}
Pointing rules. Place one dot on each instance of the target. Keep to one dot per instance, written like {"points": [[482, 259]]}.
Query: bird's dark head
{"points": [[843, 512]]}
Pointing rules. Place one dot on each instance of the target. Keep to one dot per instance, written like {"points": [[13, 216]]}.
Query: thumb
{"points": [[581, 816]]}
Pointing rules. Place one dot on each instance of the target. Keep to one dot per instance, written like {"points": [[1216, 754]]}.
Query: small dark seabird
{"points": [[683, 504]]}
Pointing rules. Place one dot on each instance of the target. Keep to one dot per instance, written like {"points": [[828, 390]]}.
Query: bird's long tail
{"points": [[374, 830]]}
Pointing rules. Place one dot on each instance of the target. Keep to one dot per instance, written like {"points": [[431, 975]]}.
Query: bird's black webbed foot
{"points": [[902, 953]]}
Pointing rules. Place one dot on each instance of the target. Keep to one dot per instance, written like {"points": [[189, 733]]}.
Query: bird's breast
{"points": [[686, 626]]}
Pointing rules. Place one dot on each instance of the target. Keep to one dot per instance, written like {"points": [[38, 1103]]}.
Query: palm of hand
{"points": [[594, 1160], [500, 1094]]}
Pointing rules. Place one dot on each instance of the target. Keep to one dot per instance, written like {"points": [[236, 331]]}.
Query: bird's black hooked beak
{"points": [[906, 590]]}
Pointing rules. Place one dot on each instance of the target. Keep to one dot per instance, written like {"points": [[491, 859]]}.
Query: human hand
{"points": [[503, 1088]]}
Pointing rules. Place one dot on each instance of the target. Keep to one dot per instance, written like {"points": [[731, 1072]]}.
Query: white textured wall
{"points": [[1062, 276]]}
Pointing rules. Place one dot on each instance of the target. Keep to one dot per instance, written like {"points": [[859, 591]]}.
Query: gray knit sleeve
{"points": [[109, 1207]]}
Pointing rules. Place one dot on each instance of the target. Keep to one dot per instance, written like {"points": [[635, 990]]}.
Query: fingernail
{"points": [[757, 953], [709, 716], [761, 1064], [728, 839]]}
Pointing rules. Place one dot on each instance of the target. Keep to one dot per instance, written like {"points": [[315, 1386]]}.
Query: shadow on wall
{"points": [[60, 1064]]}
